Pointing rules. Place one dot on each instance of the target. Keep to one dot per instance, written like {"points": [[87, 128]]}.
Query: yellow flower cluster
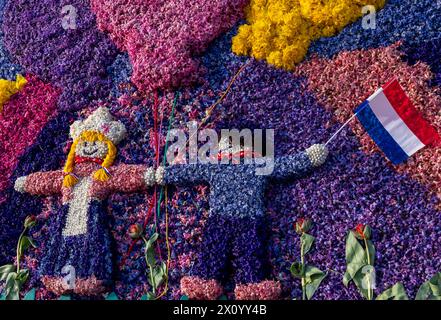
{"points": [[9, 88], [281, 31]]}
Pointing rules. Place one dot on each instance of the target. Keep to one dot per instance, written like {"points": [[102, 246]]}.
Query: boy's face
{"points": [[91, 149]]}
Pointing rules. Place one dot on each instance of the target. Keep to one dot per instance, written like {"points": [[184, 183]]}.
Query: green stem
{"points": [[18, 249], [152, 280], [302, 259], [370, 291], [164, 160]]}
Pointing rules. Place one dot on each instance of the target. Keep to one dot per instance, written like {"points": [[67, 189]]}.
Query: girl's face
{"points": [[91, 149]]}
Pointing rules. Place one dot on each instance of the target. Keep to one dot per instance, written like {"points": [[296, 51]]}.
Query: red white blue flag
{"points": [[394, 124]]}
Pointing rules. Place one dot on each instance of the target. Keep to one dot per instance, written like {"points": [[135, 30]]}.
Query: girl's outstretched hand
{"points": [[19, 185]]}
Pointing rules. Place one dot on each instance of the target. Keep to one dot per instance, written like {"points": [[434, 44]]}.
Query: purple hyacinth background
{"points": [[73, 58]]}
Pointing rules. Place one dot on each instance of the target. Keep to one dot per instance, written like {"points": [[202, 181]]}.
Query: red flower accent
{"points": [[30, 221], [105, 128], [79, 160], [359, 230], [135, 231], [241, 154], [300, 222], [302, 225]]}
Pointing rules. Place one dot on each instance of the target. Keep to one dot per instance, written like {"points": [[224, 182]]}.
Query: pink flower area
{"points": [[163, 37], [344, 82], [265, 290], [199, 289], [23, 117]]}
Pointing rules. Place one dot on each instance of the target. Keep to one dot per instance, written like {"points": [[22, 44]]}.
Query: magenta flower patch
{"points": [[163, 37]]}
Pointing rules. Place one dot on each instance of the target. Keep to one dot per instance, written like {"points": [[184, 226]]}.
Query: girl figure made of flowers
{"points": [[81, 242], [235, 234]]}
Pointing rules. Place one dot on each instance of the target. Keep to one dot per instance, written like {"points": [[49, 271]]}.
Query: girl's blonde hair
{"points": [[100, 175]]}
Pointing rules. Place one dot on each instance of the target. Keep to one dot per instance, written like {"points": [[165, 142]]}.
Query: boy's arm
{"points": [[295, 166], [183, 174]]}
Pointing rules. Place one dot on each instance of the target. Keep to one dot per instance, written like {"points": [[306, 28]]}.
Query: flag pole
{"points": [[345, 124]]}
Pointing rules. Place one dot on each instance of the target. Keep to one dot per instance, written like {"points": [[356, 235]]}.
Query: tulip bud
{"points": [[363, 232], [367, 232], [135, 231], [303, 225], [30, 221]]}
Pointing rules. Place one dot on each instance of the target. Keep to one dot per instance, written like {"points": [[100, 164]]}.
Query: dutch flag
{"points": [[394, 124]]}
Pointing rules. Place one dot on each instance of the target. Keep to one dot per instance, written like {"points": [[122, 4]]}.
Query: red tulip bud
{"points": [[30, 221], [362, 232], [303, 225], [135, 231]]}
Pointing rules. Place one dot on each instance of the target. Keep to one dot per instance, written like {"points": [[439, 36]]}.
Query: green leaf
{"points": [[162, 272], [23, 245], [164, 267], [30, 295], [430, 290], [150, 296], [5, 270], [363, 280], [297, 269], [23, 276], [397, 292], [13, 295], [351, 270], [355, 258], [359, 280], [367, 232], [12, 287], [10, 282], [423, 292], [223, 297], [150, 256], [159, 276], [64, 297], [153, 238], [435, 285], [112, 296], [313, 279], [184, 298], [311, 272], [150, 250], [346, 278], [355, 253], [2, 297], [307, 241], [32, 243]]}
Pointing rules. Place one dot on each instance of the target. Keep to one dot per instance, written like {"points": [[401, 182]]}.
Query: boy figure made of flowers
{"points": [[235, 232], [81, 241]]}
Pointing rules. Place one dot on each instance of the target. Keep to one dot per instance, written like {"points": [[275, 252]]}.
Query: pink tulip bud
{"points": [[135, 231]]}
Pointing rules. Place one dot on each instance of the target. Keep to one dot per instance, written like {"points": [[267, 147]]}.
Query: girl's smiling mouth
{"points": [[90, 153]]}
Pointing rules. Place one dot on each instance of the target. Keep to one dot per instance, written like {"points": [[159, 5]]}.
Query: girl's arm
{"points": [[295, 166], [130, 178], [41, 183]]}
